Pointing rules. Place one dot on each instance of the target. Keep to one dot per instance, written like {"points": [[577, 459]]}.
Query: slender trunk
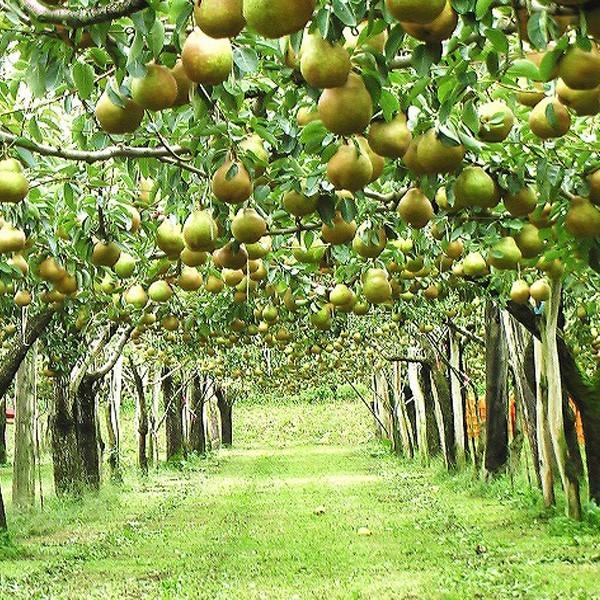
{"points": [[419, 403], [214, 432], [225, 412], [3, 454], [544, 441], [3, 522], [87, 434], [65, 458], [142, 412], [554, 393], [496, 454], [23, 489], [197, 432], [153, 452], [173, 420], [432, 417], [457, 408], [113, 410], [401, 412]]}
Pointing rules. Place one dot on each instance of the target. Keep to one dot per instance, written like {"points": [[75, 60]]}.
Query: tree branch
{"points": [[99, 344], [91, 156], [104, 369], [465, 333], [82, 17]]}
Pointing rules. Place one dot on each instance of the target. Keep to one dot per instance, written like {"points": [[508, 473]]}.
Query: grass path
{"points": [[249, 530]]}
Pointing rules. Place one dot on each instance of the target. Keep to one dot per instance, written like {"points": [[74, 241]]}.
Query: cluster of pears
{"points": [[430, 22]]}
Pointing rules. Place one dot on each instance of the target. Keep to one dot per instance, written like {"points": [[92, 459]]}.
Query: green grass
{"points": [[243, 525]]}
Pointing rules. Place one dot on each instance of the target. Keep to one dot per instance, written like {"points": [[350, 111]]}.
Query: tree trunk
{"points": [[65, 457], [173, 420], [113, 427], [23, 488], [554, 396], [421, 419], [3, 522], [401, 412], [142, 412], [433, 419], [444, 402], [225, 411], [457, 409], [197, 439], [3, 453], [87, 434], [496, 395], [584, 391]]}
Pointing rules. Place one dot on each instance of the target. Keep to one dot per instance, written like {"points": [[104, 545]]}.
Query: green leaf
{"points": [[470, 117], [246, 59], [83, 78], [498, 39], [537, 29], [389, 104], [156, 39], [482, 8], [343, 11], [524, 68]]}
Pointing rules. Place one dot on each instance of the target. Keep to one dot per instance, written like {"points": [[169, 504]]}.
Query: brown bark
{"points": [[3, 523], [173, 420], [3, 454], [226, 412]]}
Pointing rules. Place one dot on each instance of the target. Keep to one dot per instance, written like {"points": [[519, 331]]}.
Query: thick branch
{"points": [[91, 156], [80, 372], [83, 16], [104, 369], [465, 333]]}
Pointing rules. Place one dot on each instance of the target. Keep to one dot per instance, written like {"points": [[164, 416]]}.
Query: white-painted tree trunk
{"points": [[23, 485], [555, 402], [421, 419], [400, 408], [458, 411], [439, 419]]}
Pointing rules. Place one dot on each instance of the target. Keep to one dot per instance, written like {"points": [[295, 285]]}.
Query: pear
{"points": [[436, 31], [213, 284], [255, 144], [231, 183], [416, 11], [200, 231], [248, 226], [67, 285], [546, 127], [474, 187], [169, 239], [219, 18], [437, 157], [369, 243], [497, 121], [276, 18], [540, 290], [118, 119], [156, 90], [321, 319], [529, 241], [594, 183], [18, 262], [580, 69], [474, 265], [583, 219], [184, 84], [390, 139], [125, 266], [160, 291], [136, 296], [22, 298], [105, 254], [376, 286], [192, 258], [377, 162], [411, 158], [341, 295], [415, 209], [299, 205], [189, 279], [230, 257], [259, 249], [583, 102], [339, 232], [505, 254], [522, 203], [311, 255], [232, 277], [519, 292], [323, 64], [349, 168], [50, 270], [206, 60], [13, 184], [531, 97], [306, 115], [374, 41], [170, 323], [346, 109]]}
